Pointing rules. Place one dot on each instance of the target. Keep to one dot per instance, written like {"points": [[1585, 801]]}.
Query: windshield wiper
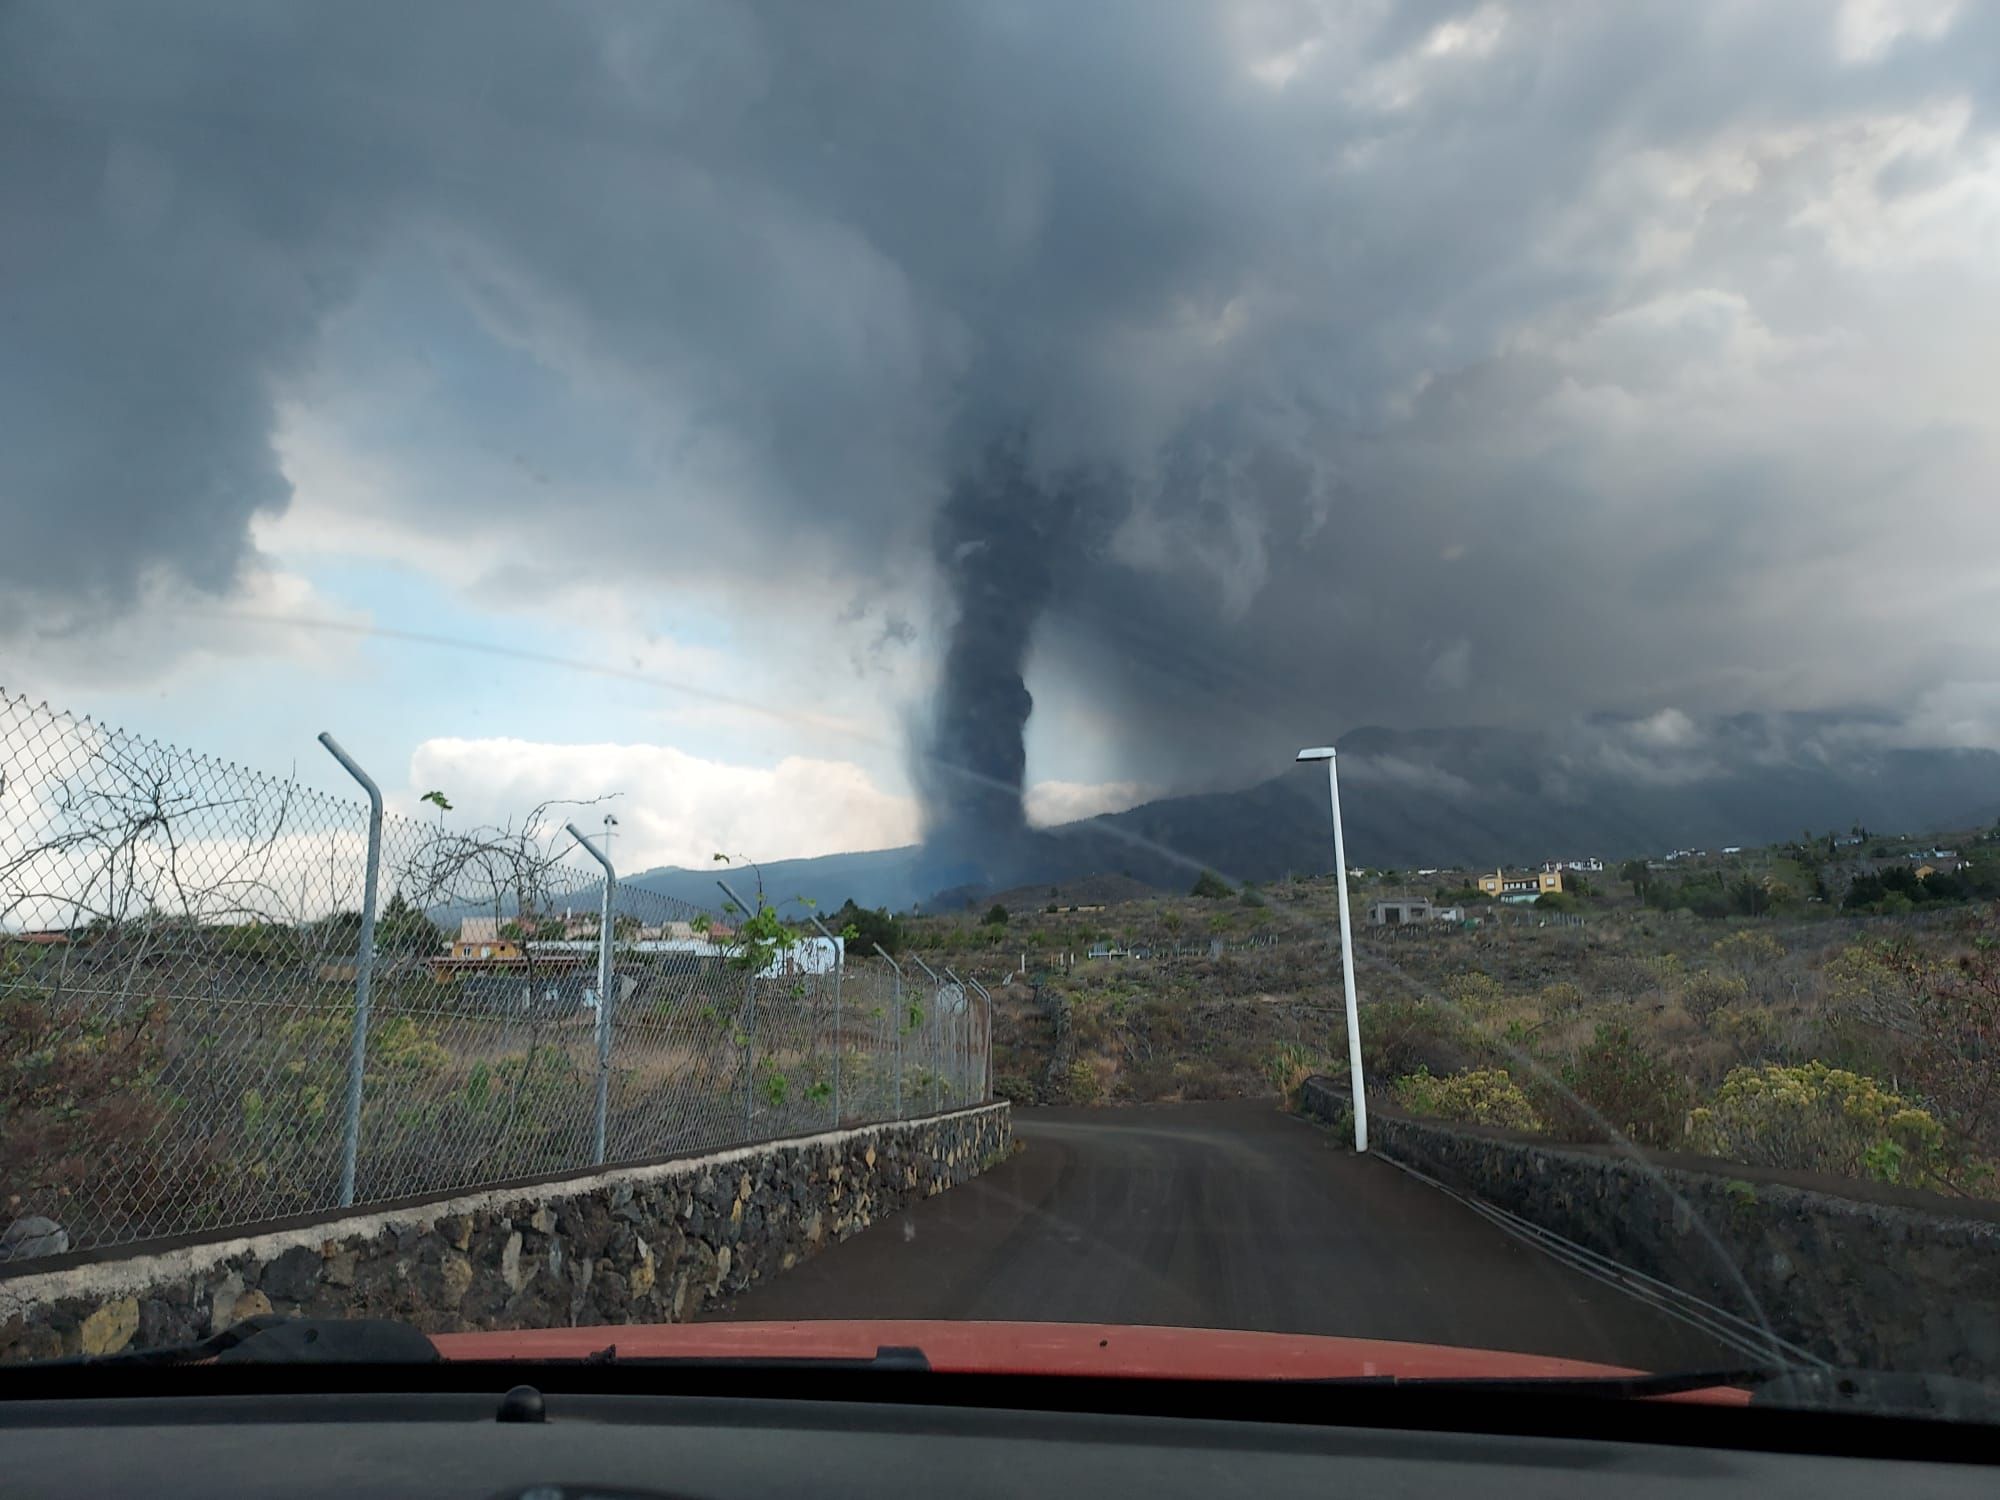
{"points": [[274, 1339], [1797, 1386], [1609, 1387]]}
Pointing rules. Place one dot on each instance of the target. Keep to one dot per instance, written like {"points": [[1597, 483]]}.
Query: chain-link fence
{"points": [[191, 1038]]}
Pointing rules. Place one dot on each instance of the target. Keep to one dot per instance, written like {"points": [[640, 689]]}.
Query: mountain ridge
{"points": [[1461, 798]]}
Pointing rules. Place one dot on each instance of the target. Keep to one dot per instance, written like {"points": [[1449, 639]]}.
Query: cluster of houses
{"points": [[489, 956]]}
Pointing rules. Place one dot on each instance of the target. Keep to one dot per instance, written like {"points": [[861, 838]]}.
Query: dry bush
{"points": [[1618, 1079], [1563, 998], [1401, 1036], [80, 1102], [1748, 953], [1290, 1065], [1947, 1021]]}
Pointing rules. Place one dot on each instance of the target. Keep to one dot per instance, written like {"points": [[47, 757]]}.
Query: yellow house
{"points": [[1525, 886], [479, 937], [498, 948]]}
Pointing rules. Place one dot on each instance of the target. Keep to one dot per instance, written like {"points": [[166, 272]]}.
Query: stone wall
{"points": [[632, 1245], [1890, 1280]]}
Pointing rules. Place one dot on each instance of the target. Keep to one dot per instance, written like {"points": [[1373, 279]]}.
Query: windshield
{"points": [[1302, 669]]}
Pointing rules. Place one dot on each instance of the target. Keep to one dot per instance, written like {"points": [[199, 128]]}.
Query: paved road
{"points": [[1227, 1215]]}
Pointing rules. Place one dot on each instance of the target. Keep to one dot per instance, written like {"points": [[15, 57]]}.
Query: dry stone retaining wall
{"points": [[630, 1245], [1905, 1286]]}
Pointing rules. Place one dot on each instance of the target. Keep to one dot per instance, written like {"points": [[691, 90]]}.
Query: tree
{"points": [[1635, 874], [866, 930], [996, 915], [402, 928], [1749, 898], [1210, 886]]}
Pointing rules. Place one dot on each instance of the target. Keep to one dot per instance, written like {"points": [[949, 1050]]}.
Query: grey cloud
{"points": [[1567, 347]]}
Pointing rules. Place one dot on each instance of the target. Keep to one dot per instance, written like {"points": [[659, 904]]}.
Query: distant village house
{"points": [[1503, 885]]}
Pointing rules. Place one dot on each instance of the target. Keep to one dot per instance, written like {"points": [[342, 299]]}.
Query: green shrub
{"points": [[1816, 1118], [1210, 886], [1018, 1087], [1616, 1083], [1707, 994], [1080, 1085], [1473, 994], [399, 1044], [1481, 1096]]}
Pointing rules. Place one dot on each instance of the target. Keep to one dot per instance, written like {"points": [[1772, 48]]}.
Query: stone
{"points": [[722, 1260], [163, 1323], [221, 1298], [293, 1275], [248, 1305], [510, 1263], [455, 1278], [641, 1276], [543, 1220], [542, 1303], [685, 1300], [458, 1230], [111, 1327], [36, 1343], [487, 1300], [340, 1269], [32, 1236]]}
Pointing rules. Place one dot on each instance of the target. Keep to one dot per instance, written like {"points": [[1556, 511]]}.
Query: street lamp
{"points": [[1327, 754]]}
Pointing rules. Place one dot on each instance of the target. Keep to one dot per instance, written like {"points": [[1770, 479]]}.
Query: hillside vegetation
{"points": [[1851, 1039]]}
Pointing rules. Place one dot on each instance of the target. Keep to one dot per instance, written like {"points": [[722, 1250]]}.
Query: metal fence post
{"points": [[972, 1074], [897, 1014], [837, 966], [749, 1028], [930, 1026], [605, 934], [364, 971], [983, 1065]]}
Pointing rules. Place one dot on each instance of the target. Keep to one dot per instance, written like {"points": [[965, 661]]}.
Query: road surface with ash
{"points": [[1218, 1215]]}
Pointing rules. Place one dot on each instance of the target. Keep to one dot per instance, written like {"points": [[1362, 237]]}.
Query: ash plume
{"points": [[999, 540]]}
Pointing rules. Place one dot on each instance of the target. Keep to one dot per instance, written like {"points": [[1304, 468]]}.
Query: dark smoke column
{"points": [[997, 540]]}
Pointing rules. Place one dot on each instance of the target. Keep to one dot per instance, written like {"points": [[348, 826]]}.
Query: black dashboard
{"points": [[474, 1443]]}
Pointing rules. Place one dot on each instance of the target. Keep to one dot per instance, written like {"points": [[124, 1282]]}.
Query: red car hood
{"points": [[1103, 1349]]}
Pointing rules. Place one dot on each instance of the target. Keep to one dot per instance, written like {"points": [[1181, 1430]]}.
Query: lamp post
{"points": [[606, 934], [1327, 754]]}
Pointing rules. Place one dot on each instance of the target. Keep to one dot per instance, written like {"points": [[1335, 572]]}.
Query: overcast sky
{"points": [[1438, 363]]}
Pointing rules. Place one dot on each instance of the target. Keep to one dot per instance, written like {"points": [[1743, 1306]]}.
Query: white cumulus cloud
{"points": [[672, 808]]}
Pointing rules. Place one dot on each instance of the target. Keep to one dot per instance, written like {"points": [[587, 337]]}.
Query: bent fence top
{"points": [[182, 1051]]}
